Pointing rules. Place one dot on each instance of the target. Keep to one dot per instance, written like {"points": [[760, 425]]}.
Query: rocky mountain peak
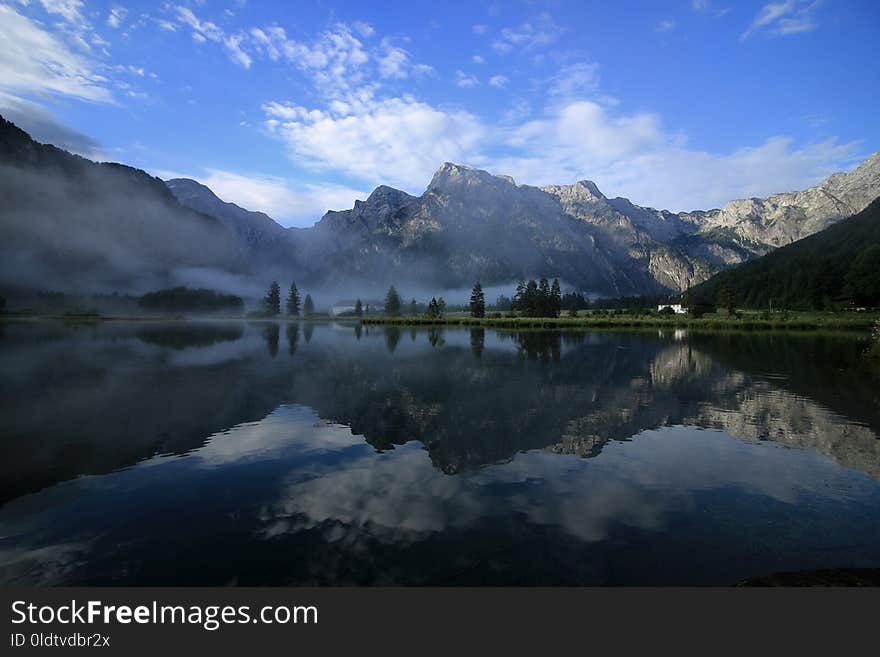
{"points": [[582, 193], [591, 187], [451, 176], [385, 195]]}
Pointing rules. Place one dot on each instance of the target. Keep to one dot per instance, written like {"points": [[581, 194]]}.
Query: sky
{"points": [[295, 108]]}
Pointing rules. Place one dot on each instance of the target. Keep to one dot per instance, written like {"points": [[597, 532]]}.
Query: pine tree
{"points": [[272, 300], [392, 302], [478, 301], [727, 299], [531, 299], [358, 308], [433, 311], [519, 297], [308, 306], [441, 307], [413, 308], [543, 298], [293, 301], [555, 298]]}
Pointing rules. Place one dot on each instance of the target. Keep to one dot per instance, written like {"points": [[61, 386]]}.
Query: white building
{"points": [[339, 309], [677, 308]]}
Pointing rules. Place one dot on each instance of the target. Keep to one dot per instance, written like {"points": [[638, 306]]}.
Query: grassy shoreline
{"points": [[796, 323], [861, 323]]}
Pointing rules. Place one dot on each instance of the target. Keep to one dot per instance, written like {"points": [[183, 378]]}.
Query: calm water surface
{"points": [[261, 453]]}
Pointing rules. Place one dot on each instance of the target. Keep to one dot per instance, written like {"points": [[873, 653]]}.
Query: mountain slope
{"points": [[842, 261], [253, 229], [67, 223], [70, 224], [469, 225]]}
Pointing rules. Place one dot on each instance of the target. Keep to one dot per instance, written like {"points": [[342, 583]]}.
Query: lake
{"points": [[260, 453]]}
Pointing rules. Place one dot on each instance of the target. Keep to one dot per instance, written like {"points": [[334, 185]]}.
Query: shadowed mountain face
{"points": [[254, 230], [73, 225], [334, 454]]}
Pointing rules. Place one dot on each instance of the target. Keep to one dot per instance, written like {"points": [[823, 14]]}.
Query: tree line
{"points": [[533, 299], [184, 299], [294, 306], [537, 298], [434, 309]]}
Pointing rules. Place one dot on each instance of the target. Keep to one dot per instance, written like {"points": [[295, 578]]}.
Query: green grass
{"points": [[748, 321]]}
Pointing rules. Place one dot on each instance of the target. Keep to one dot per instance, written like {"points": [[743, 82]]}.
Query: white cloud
{"points": [[501, 47], [239, 56], [542, 31], [478, 59], [577, 80], [394, 62], [784, 18], [583, 131], [401, 142], [207, 31], [398, 141], [683, 179], [289, 202], [364, 29], [480, 29], [116, 16], [69, 10], [34, 61], [337, 62], [706, 7], [466, 80], [72, 24], [665, 26], [633, 156], [358, 130]]}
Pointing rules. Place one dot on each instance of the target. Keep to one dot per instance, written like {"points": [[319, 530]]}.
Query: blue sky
{"points": [[294, 108]]}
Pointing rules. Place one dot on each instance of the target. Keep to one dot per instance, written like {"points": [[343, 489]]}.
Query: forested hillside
{"points": [[836, 267]]}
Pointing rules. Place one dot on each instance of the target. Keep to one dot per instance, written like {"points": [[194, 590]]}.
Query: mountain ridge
{"points": [[69, 223], [633, 249], [115, 222]]}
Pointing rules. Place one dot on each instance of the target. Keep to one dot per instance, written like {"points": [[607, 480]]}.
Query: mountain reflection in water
{"points": [[285, 453]]}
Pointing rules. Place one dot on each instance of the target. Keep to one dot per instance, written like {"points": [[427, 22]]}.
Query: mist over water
{"points": [[293, 453]]}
